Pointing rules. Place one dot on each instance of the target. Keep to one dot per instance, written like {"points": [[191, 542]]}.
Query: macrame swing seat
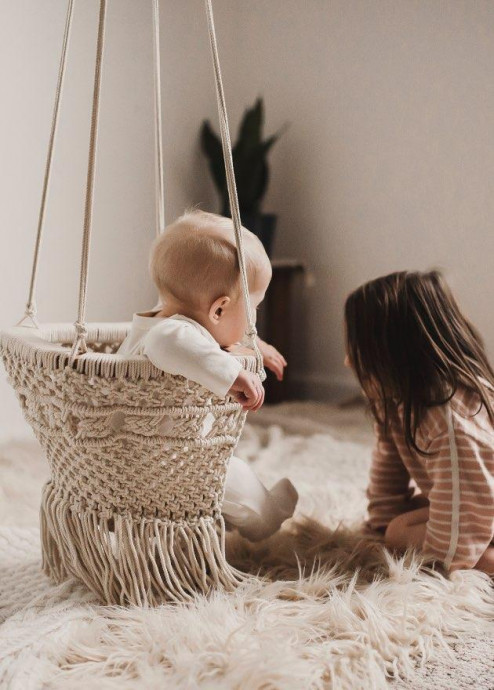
{"points": [[137, 457]]}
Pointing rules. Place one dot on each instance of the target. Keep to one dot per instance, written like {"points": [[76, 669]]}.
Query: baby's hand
{"points": [[248, 391], [272, 359]]}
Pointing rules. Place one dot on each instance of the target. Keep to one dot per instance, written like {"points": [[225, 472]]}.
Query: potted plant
{"points": [[251, 171]]}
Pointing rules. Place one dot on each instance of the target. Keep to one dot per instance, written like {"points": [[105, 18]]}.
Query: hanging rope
{"points": [[79, 346], [158, 128], [31, 310], [232, 188]]}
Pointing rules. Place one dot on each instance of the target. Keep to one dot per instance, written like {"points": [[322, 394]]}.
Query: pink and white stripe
{"points": [[457, 478]]}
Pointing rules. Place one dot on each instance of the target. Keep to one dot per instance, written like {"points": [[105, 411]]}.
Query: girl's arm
{"points": [[461, 516], [389, 488]]}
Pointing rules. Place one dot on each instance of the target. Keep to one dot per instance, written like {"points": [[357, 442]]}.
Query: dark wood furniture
{"points": [[276, 322]]}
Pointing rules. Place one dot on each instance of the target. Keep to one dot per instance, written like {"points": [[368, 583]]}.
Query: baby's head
{"points": [[195, 267]]}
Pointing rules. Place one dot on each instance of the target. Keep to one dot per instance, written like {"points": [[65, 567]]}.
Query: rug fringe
{"points": [[126, 561]]}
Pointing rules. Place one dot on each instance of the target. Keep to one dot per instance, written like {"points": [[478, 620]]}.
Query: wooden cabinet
{"points": [[277, 321]]}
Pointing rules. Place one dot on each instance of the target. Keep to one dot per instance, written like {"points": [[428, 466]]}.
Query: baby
{"points": [[194, 265]]}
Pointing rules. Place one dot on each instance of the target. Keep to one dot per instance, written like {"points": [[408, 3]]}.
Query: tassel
{"points": [[126, 561]]}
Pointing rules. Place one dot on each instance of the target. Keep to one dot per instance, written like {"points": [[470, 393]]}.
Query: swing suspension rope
{"points": [[79, 346], [158, 124], [232, 187], [31, 309]]}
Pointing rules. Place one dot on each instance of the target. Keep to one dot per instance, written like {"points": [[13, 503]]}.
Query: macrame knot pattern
{"points": [[81, 330], [30, 313], [252, 333], [79, 347], [31, 310], [138, 461]]}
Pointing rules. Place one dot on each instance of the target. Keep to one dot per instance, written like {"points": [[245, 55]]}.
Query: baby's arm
{"points": [[178, 348], [248, 391]]}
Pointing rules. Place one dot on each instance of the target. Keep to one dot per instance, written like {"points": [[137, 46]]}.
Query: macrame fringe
{"points": [[124, 561]]}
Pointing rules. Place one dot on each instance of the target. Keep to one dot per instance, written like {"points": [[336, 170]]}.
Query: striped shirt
{"points": [[457, 478]]}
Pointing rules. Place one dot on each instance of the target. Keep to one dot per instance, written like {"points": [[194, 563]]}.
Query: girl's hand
{"points": [[272, 359]]}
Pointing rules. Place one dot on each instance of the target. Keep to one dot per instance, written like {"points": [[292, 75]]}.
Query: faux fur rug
{"points": [[328, 607]]}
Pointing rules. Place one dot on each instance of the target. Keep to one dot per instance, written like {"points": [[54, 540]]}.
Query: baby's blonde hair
{"points": [[195, 259]]}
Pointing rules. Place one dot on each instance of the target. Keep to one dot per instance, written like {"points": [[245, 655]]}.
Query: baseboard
{"points": [[323, 387]]}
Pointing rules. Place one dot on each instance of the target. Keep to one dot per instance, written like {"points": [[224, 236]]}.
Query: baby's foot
{"points": [[278, 505]]}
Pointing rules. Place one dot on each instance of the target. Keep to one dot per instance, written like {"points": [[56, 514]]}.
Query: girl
{"points": [[424, 370]]}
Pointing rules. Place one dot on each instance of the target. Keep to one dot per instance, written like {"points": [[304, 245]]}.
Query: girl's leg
{"points": [[407, 529], [486, 561], [418, 501]]}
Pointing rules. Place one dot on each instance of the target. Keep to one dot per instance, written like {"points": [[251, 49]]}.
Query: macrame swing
{"points": [[138, 457]]}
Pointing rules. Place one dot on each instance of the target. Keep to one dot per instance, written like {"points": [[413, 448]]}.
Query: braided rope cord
{"points": [[31, 309], [232, 187], [79, 346], [158, 124]]}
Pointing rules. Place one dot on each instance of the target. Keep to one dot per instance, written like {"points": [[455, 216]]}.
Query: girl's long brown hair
{"points": [[409, 343]]}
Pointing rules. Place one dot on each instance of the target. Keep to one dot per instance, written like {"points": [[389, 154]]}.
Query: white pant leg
{"points": [[249, 507]]}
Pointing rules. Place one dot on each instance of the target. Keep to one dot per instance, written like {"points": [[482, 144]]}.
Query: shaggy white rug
{"points": [[328, 609]]}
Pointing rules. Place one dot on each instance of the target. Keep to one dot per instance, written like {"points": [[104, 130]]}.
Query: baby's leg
{"points": [[249, 507]]}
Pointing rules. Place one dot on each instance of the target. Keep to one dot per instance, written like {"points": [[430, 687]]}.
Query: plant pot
{"points": [[263, 225]]}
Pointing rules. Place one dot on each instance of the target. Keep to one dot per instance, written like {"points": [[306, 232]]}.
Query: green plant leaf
{"points": [[250, 173], [250, 130], [211, 145], [249, 160], [266, 145]]}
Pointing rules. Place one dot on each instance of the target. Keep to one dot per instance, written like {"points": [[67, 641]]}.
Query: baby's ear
{"points": [[217, 309]]}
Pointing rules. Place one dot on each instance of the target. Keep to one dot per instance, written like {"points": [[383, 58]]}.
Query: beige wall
{"points": [[388, 162], [30, 40]]}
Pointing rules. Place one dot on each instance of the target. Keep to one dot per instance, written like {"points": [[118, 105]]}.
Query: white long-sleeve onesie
{"points": [[181, 346]]}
